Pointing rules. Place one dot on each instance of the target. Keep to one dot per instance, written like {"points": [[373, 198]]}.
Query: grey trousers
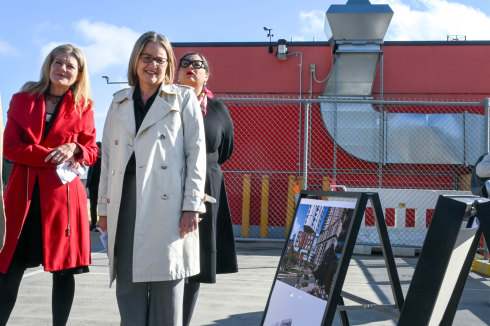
{"points": [[141, 303]]}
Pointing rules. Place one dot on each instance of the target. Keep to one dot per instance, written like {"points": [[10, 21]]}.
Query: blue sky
{"points": [[107, 29]]}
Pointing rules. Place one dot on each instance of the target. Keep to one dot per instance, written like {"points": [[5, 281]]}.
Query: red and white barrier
{"points": [[407, 215]]}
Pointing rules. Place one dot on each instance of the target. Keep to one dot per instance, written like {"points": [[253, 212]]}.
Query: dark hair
{"points": [[203, 58]]}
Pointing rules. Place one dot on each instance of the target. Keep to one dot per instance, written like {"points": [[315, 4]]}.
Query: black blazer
{"points": [[217, 243], [93, 176]]}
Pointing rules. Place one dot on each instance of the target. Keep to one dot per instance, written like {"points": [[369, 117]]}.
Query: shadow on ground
{"points": [[249, 318]]}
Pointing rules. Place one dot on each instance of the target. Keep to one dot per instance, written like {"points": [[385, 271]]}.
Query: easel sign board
{"points": [[445, 261], [455, 268], [313, 254]]}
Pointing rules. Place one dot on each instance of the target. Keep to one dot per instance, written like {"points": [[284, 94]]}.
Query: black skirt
{"points": [[29, 250]]}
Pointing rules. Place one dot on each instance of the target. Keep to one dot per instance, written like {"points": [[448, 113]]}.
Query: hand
{"points": [[62, 153], [188, 223], [102, 223], [73, 164]]}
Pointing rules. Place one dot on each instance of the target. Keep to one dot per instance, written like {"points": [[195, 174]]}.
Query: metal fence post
{"points": [[382, 131], [306, 151], [487, 131], [335, 121]]}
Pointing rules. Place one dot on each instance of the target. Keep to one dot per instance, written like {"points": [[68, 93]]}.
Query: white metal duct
{"points": [[411, 138], [358, 29], [352, 75]]}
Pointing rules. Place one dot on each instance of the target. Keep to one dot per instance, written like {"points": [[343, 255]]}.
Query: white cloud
{"points": [[45, 49], [109, 45], [6, 48], [434, 20], [312, 21], [311, 26]]}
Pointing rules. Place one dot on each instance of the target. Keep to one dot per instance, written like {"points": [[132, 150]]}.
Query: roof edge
{"points": [[322, 43]]}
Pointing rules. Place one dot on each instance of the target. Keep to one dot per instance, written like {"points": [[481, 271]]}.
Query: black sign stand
{"points": [[366, 305], [445, 260], [335, 300]]}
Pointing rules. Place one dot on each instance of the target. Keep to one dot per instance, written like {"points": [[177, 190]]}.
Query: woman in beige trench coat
{"points": [[152, 186]]}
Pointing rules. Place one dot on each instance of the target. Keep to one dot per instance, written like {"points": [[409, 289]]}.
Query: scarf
{"points": [[203, 99]]}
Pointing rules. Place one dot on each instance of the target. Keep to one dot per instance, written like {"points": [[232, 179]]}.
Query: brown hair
{"points": [[138, 48]]}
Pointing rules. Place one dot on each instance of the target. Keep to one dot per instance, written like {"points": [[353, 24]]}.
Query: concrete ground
{"points": [[237, 299]]}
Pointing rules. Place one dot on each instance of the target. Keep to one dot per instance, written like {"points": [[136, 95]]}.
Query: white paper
{"points": [[103, 239], [66, 175]]}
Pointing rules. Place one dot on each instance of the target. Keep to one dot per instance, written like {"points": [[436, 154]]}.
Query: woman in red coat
{"points": [[50, 124]]}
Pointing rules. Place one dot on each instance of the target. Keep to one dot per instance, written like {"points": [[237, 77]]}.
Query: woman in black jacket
{"points": [[217, 244]]}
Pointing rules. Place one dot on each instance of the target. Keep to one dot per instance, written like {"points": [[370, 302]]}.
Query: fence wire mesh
{"points": [[409, 152]]}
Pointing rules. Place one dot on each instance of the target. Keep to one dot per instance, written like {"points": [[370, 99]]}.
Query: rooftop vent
{"points": [[358, 29]]}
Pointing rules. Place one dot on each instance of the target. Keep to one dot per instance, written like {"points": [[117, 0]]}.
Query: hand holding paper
{"points": [[103, 238], [66, 174]]}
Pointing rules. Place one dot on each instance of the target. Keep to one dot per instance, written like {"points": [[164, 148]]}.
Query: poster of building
{"points": [[313, 252]]}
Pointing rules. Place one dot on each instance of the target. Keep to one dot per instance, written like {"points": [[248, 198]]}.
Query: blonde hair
{"points": [[138, 48], [80, 89]]}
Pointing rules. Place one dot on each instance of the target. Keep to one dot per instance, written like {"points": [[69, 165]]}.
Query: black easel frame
{"points": [[335, 298], [366, 305], [450, 214]]}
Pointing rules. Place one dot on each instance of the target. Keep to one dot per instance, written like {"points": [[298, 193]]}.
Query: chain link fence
{"points": [[267, 153], [409, 152]]}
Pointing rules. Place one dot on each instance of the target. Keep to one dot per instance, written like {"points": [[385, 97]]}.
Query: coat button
{"points": [[164, 197], [162, 136], [164, 166], [113, 172], [116, 142]]}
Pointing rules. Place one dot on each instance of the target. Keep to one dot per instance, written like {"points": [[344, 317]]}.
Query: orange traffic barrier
{"points": [[300, 183]]}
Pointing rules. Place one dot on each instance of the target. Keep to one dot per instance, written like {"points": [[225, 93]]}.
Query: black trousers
{"points": [[191, 292], [29, 253], [61, 298], [92, 195]]}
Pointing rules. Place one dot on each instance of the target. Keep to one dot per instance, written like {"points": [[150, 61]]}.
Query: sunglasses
{"points": [[196, 64], [146, 58]]}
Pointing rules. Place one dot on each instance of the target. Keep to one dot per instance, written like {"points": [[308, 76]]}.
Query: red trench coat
{"points": [[66, 234]]}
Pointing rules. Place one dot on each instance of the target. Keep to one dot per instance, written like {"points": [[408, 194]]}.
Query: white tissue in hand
{"points": [[67, 175]]}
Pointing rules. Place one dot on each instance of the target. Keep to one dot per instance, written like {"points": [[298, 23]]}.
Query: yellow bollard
{"points": [[264, 207], [246, 206], [326, 185], [290, 203]]}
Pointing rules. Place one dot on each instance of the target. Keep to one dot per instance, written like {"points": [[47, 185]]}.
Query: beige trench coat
{"points": [[2, 211], [170, 157]]}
